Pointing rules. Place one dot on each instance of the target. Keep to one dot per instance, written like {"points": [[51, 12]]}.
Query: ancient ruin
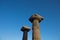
{"points": [[25, 31], [35, 19]]}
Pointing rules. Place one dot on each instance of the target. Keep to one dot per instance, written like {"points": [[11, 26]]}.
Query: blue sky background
{"points": [[15, 13]]}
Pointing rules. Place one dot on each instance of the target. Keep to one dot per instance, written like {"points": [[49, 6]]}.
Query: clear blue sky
{"points": [[15, 13]]}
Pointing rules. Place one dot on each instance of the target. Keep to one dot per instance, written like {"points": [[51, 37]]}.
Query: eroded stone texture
{"points": [[35, 20], [25, 30]]}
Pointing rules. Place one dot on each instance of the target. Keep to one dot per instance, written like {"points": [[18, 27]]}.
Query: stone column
{"points": [[35, 20], [25, 31]]}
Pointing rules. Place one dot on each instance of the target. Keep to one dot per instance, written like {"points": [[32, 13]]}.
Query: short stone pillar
{"points": [[25, 31], [35, 19]]}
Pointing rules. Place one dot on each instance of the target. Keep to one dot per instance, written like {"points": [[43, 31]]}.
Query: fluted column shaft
{"points": [[35, 30], [25, 34]]}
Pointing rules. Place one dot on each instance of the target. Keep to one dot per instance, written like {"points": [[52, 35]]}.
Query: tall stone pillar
{"points": [[25, 32], [35, 20]]}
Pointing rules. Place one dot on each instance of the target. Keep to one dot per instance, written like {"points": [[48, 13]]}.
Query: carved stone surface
{"points": [[25, 30], [35, 19]]}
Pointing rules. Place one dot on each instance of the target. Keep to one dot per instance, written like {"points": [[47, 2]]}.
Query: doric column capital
{"points": [[35, 16], [25, 28]]}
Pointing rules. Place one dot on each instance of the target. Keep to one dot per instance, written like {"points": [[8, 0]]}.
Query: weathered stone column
{"points": [[35, 20], [25, 30]]}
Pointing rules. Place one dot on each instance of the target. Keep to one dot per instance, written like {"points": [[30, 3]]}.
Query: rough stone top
{"points": [[25, 28], [35, 16]]}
